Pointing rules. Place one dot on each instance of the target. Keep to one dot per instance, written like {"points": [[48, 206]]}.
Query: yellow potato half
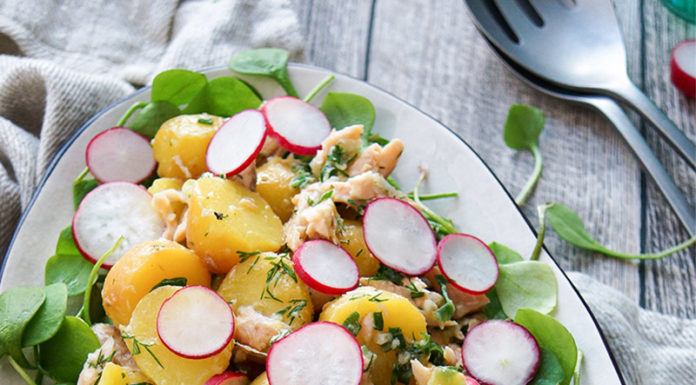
{"points": [[273, 180], [180, 144], [224, 218], [162, 365], [397, 312], [352, 240], [143, 267]]}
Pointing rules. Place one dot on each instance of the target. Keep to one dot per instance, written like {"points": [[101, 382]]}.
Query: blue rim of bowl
{"points": [[82, 128]]}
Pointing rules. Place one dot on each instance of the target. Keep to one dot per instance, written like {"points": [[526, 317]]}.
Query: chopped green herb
{"points": [[415, 292], [379, 320], [220, 216], [388, 274], [444, 313], [336, 163], [324, 197], [375, 298], [352, 323], [291, 311], [207, 121], [137, 345], [179, 281]]}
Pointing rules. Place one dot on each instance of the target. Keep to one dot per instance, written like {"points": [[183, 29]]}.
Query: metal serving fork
{"points": [[575, 45], [623, 124]]}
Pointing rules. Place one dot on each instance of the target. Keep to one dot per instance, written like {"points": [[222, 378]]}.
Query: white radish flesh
{"points": [[195, 322], [229, 378], [110, 211], [120, 154], [326, 267], [399, 236], [236, 143], [299, 126], [317, 354], [683, 67], [500, 352], [467, 263]]}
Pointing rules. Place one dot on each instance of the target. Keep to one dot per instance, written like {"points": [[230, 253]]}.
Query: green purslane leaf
{"points": [[49, 317], [570, 227], [177, 86], [150, 118], [523, 127], [66, 243], [504, 254], [69, 269], [493, 309], [550, 371], [269, 62], [81, 187], [223, 96], [63, 355], [17, 307], [526, 284], [521, 132], [343, 110], [552, 335]]}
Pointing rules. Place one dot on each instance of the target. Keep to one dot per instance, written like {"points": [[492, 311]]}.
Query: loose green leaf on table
{"points": [[552, 335], [49, 317], [269, 62], [150, 118], [223, 96], [344, 109], [526, 284], [62, 356], [521, 132], [504, 254], [550, 371], [177, 86], [17, 307], [570, 227]]}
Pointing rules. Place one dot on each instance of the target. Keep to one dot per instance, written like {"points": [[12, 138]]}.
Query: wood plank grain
{"points": [[433, 57], [670, 284], [336, 33]]}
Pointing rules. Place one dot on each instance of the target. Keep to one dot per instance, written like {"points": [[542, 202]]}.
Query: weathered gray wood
{"points": [[670, 284], [336, 33], [433, 57]]}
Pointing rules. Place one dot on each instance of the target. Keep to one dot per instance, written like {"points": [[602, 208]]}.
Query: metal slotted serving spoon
{"points": [[574, 44], [623, 124]]}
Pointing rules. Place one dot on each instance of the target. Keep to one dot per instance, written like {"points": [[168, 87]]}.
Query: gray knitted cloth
{"points": [[62, 61]]}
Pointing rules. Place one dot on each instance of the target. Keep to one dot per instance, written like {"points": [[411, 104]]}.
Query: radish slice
{"points": [[471, 381], [120, 154], [229, 378], [299, 126], [305, 358], [399, 236], [195, 322], [236, 143], [110, 211], [467, 263], [326, 267], [500, 352], [683, 67]]}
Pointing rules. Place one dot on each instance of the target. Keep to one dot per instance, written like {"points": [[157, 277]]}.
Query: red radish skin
{"points": [[120, 154], [195, 322], [468, 263], [399, 236], [110, 211], [498, 352], [229, 378], [470, 381], [326, 267], [304, 357], [236, 143], [683, 67], [298, 126]]}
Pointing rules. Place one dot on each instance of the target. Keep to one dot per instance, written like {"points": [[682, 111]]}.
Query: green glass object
{"points": [[686, 9]]}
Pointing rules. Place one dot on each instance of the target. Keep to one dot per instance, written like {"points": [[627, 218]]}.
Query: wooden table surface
{"points": [[429, 53]]}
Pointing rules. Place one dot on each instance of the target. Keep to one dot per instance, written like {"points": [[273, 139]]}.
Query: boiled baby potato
{"points": [[262, 379], [180, 144], [273, 181], [397, 312], [225, 218], [268, 283], [162, 365], [353, 242], [116, 375], [143, 267]]}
